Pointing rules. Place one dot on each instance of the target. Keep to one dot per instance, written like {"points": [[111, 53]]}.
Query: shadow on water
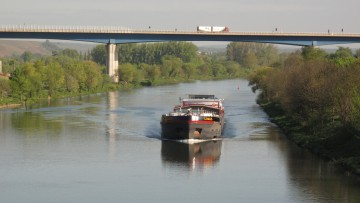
{"points": [[190, 155]]}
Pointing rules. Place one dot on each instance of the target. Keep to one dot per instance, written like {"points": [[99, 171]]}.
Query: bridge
{"points": [[111, 36]]}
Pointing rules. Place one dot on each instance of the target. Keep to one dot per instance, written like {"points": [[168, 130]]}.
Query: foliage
{"points": [[315, 90], [251, 55], [315, 99], [128, 73], [98, 54], [54, 76], [312, 53], [68, 72], [5, 89], [152, 53]]}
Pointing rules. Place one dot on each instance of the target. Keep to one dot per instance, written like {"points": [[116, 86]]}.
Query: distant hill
{"points": [[45, 47], [14, 47]]}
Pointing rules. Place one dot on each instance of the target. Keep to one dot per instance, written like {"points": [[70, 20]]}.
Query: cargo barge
{"points": [[197, 117]]}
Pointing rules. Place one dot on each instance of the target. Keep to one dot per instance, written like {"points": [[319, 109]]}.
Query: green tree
{"points": [[27, 56], [98, 54], [53, 77], [151, 72], [127, 53], [189, 70], [26, 82], [250, 60], [232, 68], [218, 70], [75, 73], [5, 89], [244, 52], [127, 72], [171, 66], [311, 53], [93, 78], [204, 70], [72, 53], [71, 83], [343, 52]]}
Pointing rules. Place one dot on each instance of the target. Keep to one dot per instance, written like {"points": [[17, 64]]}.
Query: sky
{"points": [[238, 15]]}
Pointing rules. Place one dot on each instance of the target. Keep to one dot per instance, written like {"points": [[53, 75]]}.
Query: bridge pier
{"points": [[112, 61]]}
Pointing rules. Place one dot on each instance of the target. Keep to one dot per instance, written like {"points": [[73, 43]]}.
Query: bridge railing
{"points": [[59, 28], [115, 29], [81, 29]]}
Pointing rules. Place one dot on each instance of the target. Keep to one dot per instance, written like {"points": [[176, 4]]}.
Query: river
{"points": [[107, 148]]}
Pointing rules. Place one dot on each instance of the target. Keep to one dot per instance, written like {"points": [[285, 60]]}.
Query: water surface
{"points": [[107, 148]]}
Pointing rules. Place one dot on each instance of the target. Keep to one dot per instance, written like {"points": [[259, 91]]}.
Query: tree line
{"points": [[69, 72], [51, 76], [316, 88], [315, 96], [158, 63]]}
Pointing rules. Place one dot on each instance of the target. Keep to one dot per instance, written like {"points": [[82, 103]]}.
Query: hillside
{"points": [[18, 47], [14, 47]]}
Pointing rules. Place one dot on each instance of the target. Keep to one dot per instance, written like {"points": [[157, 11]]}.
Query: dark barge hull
{"points": [[186, 129]]}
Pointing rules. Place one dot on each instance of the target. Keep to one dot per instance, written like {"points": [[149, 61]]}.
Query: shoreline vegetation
{"points": [[69, 73], [313, 96], [315, 100]]}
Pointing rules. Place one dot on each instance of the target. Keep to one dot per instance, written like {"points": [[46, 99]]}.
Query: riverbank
{"points": [[341, 148], [122, 86], [3, 106]]}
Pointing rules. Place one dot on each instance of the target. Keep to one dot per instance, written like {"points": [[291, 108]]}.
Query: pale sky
{"points": [[238, 15]]}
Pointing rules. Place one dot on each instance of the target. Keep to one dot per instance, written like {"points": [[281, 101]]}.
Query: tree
{"points": [[218, 70], [343, 52], [294, 60], [72, 53], [189, 70], [51, 46], [98, 54], [243, 52], [26, 82], [343, 57], [71, 83], [357, 53], [93, 79], [171, 66], [27, 56], [151, 72], [203, 70], [152, 53], [232, 68], [311, 53], [127, 72], [5, 88], [75, 73], [127, 53], [250, 60], [53, 77]]}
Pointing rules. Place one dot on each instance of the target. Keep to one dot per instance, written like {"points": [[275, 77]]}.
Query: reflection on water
{"points": [[190, 155], [112, 105]]}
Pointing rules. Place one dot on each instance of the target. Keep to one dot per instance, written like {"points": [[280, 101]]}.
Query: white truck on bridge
{"points": [[212, 29]]}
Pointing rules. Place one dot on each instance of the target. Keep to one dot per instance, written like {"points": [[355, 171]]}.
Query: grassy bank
{"points": [[340, 145]]}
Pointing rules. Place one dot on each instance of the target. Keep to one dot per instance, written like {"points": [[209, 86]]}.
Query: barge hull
{"points": [[191, 131]]}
